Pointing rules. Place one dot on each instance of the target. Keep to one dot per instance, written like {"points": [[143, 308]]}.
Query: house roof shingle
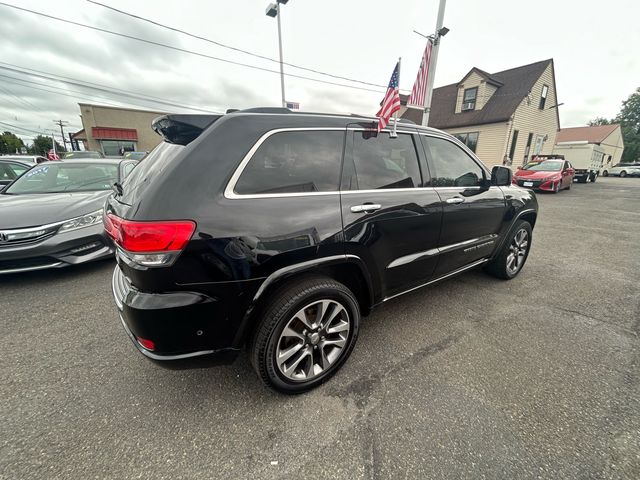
{"points": [[516, 84], [596, 134]]}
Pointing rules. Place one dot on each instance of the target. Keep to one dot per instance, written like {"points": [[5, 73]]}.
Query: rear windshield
{"points": [[154, 164], [59, 177]]}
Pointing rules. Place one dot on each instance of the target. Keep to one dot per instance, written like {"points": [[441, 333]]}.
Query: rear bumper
{"points": [[59, 250], [181, 324]]}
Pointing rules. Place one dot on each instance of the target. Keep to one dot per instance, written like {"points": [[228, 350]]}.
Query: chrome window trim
{"points": [[230, 193]]}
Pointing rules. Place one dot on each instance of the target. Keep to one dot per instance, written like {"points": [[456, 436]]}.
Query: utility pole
{"points": [[61, 124], [440, 32], [273, 10]]}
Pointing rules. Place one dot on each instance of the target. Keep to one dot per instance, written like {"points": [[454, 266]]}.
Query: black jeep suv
{"points": [[280, 230]]}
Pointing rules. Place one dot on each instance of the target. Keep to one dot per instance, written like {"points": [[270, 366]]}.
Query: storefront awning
{"points": [[110, 133]]}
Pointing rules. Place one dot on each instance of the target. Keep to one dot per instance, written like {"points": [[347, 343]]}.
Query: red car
{"points": [[548, 176]]}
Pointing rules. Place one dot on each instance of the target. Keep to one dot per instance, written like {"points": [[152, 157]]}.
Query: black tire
{"points": [[276, 315], [605, 173], [623, 174], [498, 266], [558, 188], [594, 177]]}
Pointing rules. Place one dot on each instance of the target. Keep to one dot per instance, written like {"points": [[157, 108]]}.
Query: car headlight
{"points": [[87, 220]]}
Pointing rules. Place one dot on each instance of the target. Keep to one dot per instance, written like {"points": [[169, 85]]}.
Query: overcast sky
{"points": [[594, 45]]}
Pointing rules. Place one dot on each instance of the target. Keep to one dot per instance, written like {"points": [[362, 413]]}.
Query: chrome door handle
{"points": [[455, 200], [367, 207]]}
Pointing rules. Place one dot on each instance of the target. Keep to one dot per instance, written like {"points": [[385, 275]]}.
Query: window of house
{"points": [[527, 149], [380, 161], [514, 142], [543, 96], [469, 139], [453, 167], [469, 99], [291, 162]]}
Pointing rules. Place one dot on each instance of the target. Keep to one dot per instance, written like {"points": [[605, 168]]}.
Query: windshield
{"points": [[56, 178], [85, 154], [546, 166]]}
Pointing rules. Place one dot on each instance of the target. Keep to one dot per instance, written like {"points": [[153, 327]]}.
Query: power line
{"points": [[23, 128], [103, 88], [76, 97], [27, 103], [183, 50], [236, 49]]}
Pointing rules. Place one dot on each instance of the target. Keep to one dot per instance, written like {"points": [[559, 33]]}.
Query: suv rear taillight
{"points": [[152, 244]]}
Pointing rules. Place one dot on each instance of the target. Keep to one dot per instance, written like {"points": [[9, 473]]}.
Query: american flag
{"points": [[391, 101], [420, 86]]}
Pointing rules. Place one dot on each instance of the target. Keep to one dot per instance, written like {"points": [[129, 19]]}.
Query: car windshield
{"points": [[85, 154], [546, 166], [57, 177], [135, 155]]}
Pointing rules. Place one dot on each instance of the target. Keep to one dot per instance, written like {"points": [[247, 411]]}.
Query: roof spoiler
{"points": [[182, 129]]}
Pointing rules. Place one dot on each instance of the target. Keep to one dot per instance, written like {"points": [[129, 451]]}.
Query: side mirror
{"points": [[501, 176]]}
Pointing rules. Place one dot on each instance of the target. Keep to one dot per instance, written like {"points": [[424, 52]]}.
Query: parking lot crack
{"points": [[628, 332]]}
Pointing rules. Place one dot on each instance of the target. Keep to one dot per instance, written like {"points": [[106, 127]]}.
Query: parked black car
{"points": [[52, 215], [280, 230]]}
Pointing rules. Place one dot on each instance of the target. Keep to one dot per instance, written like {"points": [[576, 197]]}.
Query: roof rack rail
{"points": [[265, 110]]}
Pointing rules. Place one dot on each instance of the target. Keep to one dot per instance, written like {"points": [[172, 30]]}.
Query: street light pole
{"points": [[273, 10], [284, 102], [433, 61]]}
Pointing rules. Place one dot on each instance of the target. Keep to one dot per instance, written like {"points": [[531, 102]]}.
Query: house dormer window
{"points": [[469, 99], [543, 96]]}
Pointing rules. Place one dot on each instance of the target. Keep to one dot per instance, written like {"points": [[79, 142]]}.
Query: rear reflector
{"points": [[148, 344], [149, 236]]}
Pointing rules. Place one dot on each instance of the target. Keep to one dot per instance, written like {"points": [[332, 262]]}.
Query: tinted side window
{"points": [[384, 162], [289, 162], [18, 169], [453, 167]]}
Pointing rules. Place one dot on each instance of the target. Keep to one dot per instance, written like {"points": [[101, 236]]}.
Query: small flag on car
{"points": [[391, 100]]}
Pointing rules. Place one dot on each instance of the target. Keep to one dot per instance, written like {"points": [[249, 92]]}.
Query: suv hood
{"points": [[31, 210]]}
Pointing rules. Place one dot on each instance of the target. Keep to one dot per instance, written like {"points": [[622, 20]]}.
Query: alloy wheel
{"points": [[313, 340], [517, 251]]}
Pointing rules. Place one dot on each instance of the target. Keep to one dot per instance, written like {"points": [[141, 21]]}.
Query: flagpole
{"points": [[394, 133], [432, 63]]}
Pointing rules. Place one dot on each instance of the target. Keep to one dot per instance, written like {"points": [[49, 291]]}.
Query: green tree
{"points": [[41, 145], [599, 121], [629, 119], [10, 143]]}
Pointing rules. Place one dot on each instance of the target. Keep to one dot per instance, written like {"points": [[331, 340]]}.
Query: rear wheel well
{"points": [[530, 217], [348, 274]]}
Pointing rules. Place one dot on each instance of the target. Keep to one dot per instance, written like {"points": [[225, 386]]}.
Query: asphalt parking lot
{"points": [[473, 378]]}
